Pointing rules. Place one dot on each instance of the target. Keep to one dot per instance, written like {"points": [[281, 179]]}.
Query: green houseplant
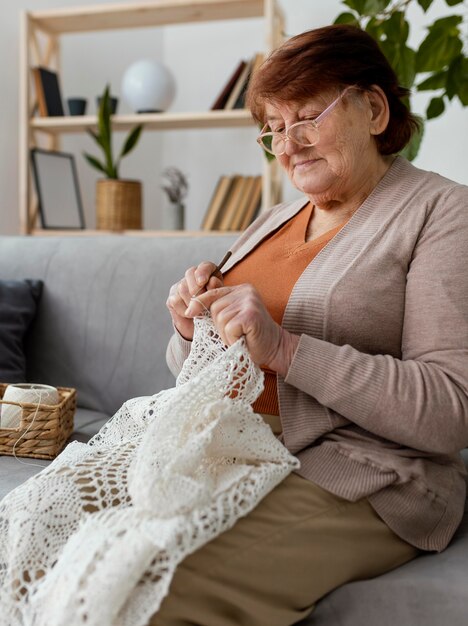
{"points": [[118, 201], [438, 65]]}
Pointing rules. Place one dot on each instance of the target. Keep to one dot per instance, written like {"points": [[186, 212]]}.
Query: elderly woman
{"points": [[354, 300]]}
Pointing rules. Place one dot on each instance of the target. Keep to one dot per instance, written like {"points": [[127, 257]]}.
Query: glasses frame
{"points": [[285, 136]]}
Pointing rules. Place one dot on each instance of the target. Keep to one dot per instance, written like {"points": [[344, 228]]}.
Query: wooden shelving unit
{"points": [[151, 121], [51, 25]]}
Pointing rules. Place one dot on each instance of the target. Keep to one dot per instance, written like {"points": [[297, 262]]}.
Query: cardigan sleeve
{"points": [[177, 351], [420, 400]]}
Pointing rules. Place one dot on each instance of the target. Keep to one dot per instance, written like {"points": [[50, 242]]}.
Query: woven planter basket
{"points": [[118, 204], [40, 436]]}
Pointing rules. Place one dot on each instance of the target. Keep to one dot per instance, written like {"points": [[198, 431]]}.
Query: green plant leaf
{"points": [[371, 7], [96, 164], [346, 18], [425, 4], [396, 28], [457, 79], [463, 93], [454, 76], [131, 140], [104, 125], [452, 3], [375, 28], [435, 81], [406, 66], [449, 24], [411, 150], [438, 49], [436, 107], [402, 60], [105, 131], [356, 5], [97, 138]]}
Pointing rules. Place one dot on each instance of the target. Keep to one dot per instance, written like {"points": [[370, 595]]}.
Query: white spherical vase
{"points": [[148, 87]]}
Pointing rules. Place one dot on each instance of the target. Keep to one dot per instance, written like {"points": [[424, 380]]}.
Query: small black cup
{"points": [[77, 106], [113, 104]]}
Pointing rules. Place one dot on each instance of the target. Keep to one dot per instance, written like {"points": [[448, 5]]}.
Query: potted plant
{"points": [[176, 187], [118, 201], [439, 65]]}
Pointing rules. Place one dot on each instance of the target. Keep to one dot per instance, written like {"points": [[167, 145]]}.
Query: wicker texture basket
{"points": [[47, 431], [118, 205]]}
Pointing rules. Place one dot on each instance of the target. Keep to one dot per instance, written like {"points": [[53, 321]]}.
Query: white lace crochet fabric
{"points": [[94, 538]]}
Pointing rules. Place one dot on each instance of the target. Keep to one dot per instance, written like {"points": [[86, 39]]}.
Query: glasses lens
{"points": [[304, 133], [272, 143]]}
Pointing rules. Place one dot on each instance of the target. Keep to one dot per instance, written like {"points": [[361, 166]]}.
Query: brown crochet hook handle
{"points": [[217, 269]]}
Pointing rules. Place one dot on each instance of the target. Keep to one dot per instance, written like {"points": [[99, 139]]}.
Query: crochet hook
{"points": [[217, 269]]}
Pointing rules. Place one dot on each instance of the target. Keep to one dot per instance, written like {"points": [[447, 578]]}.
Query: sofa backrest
{"points": [[102, 324]]}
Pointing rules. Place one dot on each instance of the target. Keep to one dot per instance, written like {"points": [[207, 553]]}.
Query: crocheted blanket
{"points": [[94, 539]]}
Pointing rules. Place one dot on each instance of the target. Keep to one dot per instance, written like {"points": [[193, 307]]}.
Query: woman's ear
{"points": [[379, 110]]}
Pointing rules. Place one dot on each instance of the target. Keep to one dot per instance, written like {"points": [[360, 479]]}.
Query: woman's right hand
{"points": [[196, 279]]}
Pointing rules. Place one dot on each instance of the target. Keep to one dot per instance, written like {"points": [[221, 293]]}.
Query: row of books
{"points": [[232, 95], [235, 203]]}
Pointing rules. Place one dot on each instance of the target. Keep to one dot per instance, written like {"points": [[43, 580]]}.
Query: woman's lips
{"points": [[300, 165]]}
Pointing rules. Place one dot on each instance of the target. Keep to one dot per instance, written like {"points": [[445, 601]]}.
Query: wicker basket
{"points": [[118, 205], [47, 431]]}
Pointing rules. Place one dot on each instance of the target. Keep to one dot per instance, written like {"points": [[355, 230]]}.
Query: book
{"points": [[243, 203], [256, 62], [219, 194], [239, 86], [48, 93], [232, 203], [254, 204], [220, 101]]}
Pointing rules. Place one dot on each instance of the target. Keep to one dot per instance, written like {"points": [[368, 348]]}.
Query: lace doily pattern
{"points": [[94, 539]]}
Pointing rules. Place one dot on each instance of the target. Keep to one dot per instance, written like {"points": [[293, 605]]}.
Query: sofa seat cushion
{"points": [[13, 471]]}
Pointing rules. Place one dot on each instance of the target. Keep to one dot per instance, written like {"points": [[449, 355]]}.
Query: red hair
{"points": [[328, 58]]}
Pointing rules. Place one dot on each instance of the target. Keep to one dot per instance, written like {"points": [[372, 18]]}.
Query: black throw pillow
{"points": [[18, 303]]}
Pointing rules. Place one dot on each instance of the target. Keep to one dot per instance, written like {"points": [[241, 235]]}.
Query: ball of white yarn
{"points": [[32, 393]]}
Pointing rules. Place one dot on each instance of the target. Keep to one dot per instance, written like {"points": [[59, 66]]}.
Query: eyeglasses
{"points": [[305, 133]]}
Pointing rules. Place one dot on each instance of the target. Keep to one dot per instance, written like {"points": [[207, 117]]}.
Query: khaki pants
{"points": [[270, 569]]}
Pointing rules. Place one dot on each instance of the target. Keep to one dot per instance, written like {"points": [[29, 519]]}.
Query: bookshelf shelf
{"points": [[151, 121], [144, 14], [49, 26]]}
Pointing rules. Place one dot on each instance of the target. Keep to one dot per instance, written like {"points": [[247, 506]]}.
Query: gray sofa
{"points": [[102, 328]]}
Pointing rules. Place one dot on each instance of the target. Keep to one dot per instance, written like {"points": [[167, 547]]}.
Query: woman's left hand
{"points": [[239, 311]]}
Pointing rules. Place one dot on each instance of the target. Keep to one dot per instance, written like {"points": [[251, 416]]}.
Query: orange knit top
{"points": [[273, 267]]}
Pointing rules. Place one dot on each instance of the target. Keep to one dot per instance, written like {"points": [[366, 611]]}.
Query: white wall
{"points": [[201, 57]]}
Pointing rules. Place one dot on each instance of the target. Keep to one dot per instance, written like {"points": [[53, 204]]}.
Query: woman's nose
{"points": [[291, 147]]}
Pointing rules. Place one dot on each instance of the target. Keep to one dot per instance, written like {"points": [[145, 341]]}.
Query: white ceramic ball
{"points": [[148, 86]]}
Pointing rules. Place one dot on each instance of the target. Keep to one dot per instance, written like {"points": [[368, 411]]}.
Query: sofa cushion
{"points": [[18, 302]]}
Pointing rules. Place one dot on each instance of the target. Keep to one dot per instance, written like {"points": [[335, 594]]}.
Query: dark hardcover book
{"points": [[239, 86], [48, 92], [256, 62], [226, 91]]}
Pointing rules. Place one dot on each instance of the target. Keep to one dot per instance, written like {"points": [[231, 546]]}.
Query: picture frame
{"points": [[58, 191]]}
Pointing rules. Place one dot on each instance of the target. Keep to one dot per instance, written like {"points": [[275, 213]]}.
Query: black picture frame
{"points": [[58, 191]]}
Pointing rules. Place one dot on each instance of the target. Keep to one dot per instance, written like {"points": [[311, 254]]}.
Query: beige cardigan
{"points": [[375, 403]]}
